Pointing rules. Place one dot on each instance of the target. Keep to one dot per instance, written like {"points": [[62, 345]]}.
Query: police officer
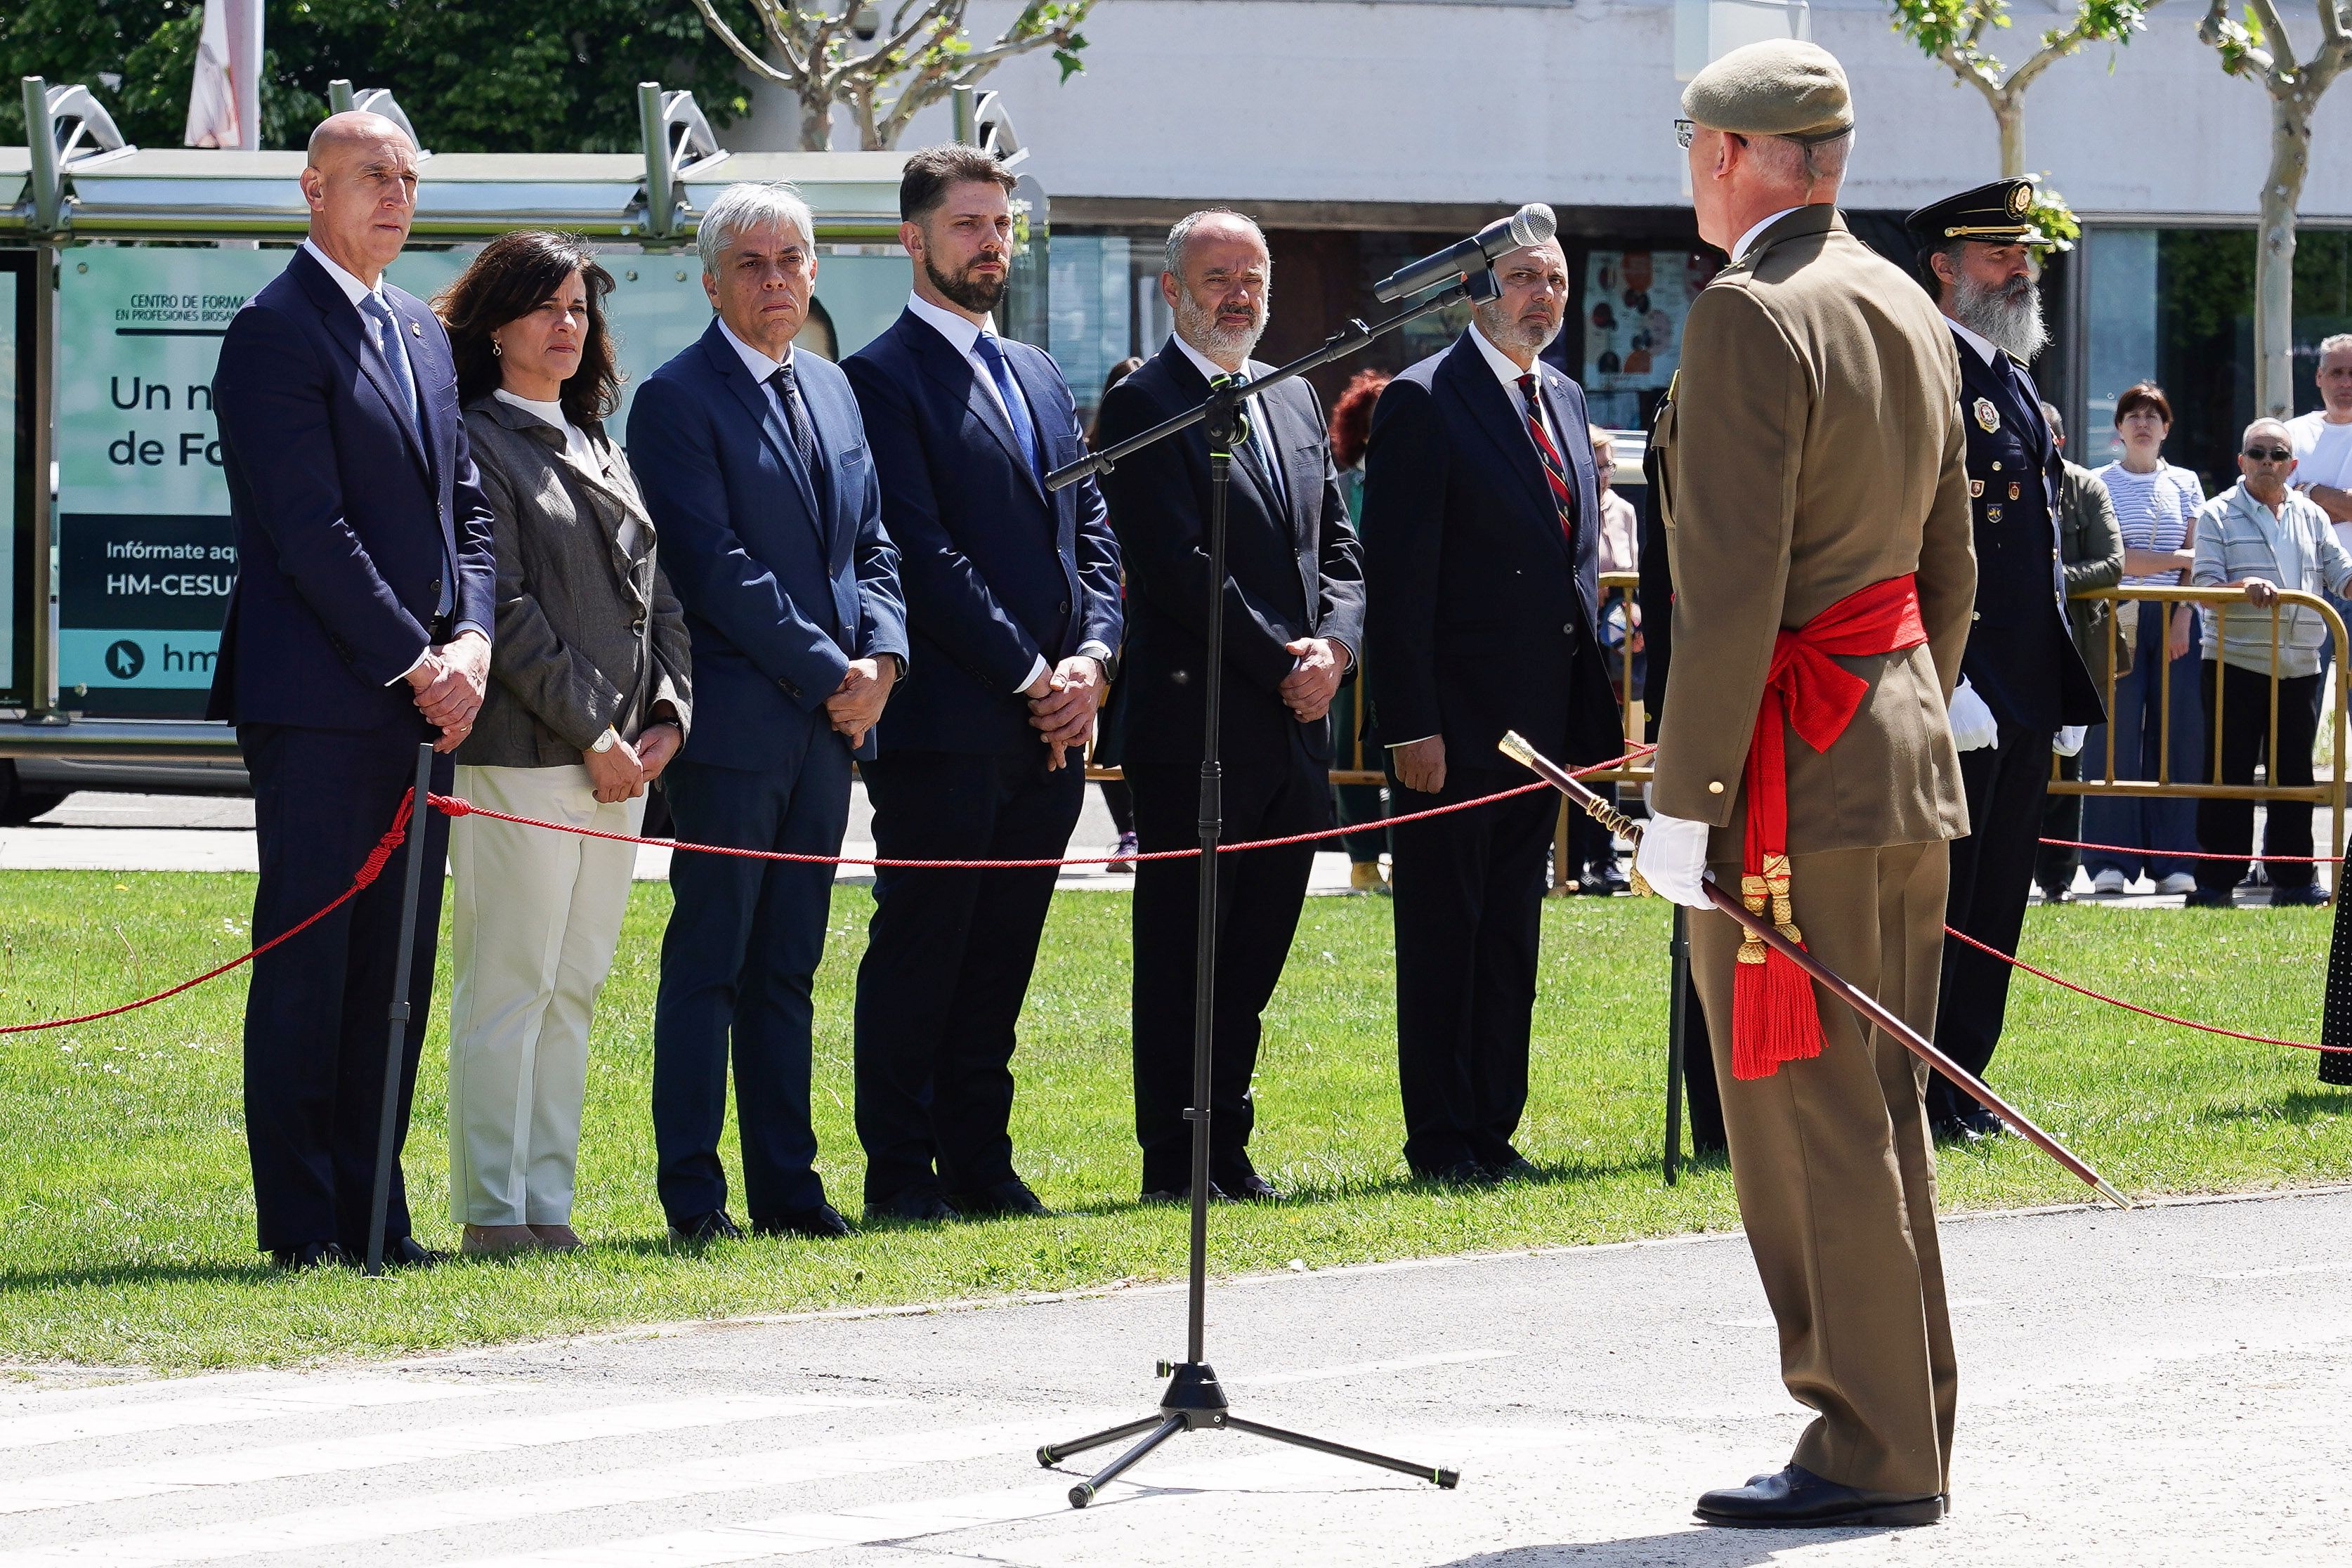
{"points": [[2023, 685]]}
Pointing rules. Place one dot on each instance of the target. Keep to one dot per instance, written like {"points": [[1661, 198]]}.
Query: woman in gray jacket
{"points": [[589, 699]]}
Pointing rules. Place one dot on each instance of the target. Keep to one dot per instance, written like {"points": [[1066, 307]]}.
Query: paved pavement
{"points": [[2164, 1387]]}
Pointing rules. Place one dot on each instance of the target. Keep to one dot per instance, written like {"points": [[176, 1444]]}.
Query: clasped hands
{"points": [[856, 705], [622, 771], [448, 682], [1062, 704], [1314, 680]]}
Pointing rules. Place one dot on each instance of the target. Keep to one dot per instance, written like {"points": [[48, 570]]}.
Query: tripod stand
{"points": [[1193, 1399]]}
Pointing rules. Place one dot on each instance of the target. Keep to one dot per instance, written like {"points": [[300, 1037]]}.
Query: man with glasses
{"points": [[1810, 470], [2024, 687], [2260, 536]]}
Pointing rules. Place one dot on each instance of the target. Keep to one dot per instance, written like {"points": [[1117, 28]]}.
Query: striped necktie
{"points": [[1563, 493]]}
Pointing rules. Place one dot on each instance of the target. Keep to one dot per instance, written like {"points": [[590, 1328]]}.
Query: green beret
{"points": [[1782, 87]]}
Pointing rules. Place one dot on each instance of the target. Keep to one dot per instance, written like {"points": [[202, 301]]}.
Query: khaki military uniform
{"points": [[1811, 447]]}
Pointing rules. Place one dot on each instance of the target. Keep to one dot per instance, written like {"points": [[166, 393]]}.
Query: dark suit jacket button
{"points": [[1570, 629], [638, 625], [1066, 607], [436, 589]]}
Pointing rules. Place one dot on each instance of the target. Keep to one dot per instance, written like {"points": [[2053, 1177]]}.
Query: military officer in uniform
{"points": [[2024, 687], [1809, 468]]}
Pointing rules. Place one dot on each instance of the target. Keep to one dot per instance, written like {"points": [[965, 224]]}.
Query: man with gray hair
{"points": [[2259, 536], [755, 471], [2323, 438], [1482, 510], [1294, 619]]}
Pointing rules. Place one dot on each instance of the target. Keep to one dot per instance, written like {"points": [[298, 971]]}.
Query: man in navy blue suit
{"points": [[1481, 527], [755, 470], [360, 625], [1012, 599]]}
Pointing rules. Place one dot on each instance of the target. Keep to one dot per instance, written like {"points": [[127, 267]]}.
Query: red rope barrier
{"points": [[454, 805], [2145, 853], [2018, 963], [369, 869]]}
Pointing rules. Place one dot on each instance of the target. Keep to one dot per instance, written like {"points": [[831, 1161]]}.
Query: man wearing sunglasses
{"points": [[1809, 467], [2259, 536]]}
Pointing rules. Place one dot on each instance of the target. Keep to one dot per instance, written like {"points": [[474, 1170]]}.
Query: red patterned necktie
{"points": [[1563, 493]]}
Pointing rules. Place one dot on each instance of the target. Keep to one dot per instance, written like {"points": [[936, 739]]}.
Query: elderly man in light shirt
{"points": [[2261, 536]]}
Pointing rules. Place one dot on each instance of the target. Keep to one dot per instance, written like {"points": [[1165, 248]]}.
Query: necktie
{"points": [[1563, 493], [1255, 449], [796, 418], [384, 327], [1025, 430]]}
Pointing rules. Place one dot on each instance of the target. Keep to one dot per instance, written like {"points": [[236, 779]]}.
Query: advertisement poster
{"points": [[145, 555], [1634, 302]]}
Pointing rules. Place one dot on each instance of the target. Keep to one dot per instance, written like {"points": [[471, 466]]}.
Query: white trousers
{"points": [[537, 916]]}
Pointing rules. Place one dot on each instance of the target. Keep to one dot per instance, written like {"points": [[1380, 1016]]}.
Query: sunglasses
{"points": [[2269, 453]]}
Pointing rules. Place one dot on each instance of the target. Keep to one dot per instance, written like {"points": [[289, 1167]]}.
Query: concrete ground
{"points": [[2162, 1387]]}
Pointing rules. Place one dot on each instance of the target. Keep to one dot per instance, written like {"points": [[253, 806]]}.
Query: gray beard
{"points": [[1199, 327], [2008, 318], [1507, 332]]}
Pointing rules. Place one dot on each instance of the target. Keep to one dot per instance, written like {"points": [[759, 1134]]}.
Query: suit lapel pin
{"points": [[1987, 416], [415, 331], [2012, 492], [1976, 489], [1993, 514]]}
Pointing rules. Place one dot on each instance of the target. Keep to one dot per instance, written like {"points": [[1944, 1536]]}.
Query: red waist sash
{"points": [[1774, 1019]]}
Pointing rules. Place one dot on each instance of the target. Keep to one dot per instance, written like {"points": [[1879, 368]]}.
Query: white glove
{"points": [[2070, 740], [1672, 859], [1972, 721]]}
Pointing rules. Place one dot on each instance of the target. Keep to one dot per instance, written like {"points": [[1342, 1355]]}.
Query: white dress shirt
{"points": [[761, 367], [963, 336], [1507, 372], [1977, 341]]}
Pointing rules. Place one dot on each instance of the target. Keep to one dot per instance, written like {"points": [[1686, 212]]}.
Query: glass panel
{"points": [[15, 481], [2119, 298], [1088, 310]]}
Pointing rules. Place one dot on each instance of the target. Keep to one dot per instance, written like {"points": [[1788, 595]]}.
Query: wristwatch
{"points": [[605, 742]]}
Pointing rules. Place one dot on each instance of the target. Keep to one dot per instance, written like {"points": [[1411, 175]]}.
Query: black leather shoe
{"points": [[310, 1255], [823, 1223], [1247, 1187], [1182, 1194], [712, 1224], [1007, 1199], [1948, 1129], [1979, 1124], [2210, 899], [919, 1204], [2309, 893], [2057, 895], [1796, 1499], [1461, 1173], [408, 1253], [1517, 1168]]}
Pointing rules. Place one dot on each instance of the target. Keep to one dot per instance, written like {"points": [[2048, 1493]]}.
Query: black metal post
{"points": [[1193, 1398], [1677, 1018], [419, 817]]}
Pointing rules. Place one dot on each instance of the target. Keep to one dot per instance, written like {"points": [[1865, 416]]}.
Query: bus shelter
{"points": [[120, 267]]}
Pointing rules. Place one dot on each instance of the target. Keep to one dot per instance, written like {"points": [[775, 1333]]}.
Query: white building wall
{"points": [[1572, 101]]}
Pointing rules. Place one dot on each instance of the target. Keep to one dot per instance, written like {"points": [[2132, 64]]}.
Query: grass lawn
{"points": [[126, 1225]]}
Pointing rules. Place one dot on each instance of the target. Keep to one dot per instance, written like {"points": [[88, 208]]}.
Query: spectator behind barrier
{"points": [[589, 701], [2260, 536], [2155, 507], [2091, 548]]}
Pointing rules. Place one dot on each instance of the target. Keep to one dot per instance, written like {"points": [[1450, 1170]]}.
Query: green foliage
{"points": [[2053, 217], [505, 76], [1954, 31]]}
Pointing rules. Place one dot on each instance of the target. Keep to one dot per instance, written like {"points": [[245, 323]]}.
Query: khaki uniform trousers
{"points": [[1837, 1172], [537, 916]]}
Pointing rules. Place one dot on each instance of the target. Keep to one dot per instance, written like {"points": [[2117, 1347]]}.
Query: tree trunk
{"points": [[2009, 114], [816, 123], [2291, 105]]}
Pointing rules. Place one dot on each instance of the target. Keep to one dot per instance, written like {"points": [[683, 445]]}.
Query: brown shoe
{"points": [[496, 1240], [558, 1237]]}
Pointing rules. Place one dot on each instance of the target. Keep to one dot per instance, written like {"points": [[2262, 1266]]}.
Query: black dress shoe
{"points": [[2210, 899], [309, 1254], [1246, 1187], [1461, 1173], [408, 1253], [712, 1224], [1979, 1123], [2310, 893], [2057, 895], [823, 1223], [1948, 1129], [1007, 1199], [919, 1204], [1181, 1194], [1517, 1168], [1797, 1498]]}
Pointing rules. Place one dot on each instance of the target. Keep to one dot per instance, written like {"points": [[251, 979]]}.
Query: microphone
{"points": [[1532, 225]]}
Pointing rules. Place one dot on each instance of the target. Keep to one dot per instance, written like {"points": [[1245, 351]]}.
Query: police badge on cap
{"points": [[1999, 214]]}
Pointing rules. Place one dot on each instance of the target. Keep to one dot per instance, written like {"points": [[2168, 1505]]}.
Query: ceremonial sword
{"points": [[1514, 747]]}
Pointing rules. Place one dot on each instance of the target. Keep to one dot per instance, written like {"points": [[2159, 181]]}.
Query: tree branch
{"points": [[2282, 46], [759, 65], [2331, 24]]}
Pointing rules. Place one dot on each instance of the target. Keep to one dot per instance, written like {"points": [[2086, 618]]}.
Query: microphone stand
{"points": [[1193, 1399]]}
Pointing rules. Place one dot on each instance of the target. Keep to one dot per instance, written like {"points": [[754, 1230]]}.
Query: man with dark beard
{"points": [[1013, 605], [1480, 546], [2024, 687], [1293, 622]]}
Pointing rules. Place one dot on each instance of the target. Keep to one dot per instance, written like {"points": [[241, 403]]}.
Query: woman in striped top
{"points": [[2155, 503]]}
